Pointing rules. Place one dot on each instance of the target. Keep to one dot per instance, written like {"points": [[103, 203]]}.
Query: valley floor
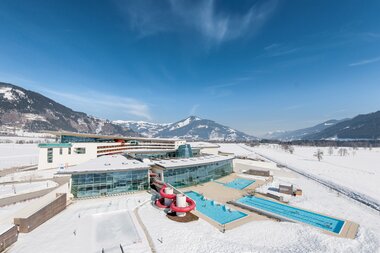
{"points": [[90, 225]]}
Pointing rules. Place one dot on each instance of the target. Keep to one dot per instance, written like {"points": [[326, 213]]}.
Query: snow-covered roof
{"points": [[106, 163], [193, 161], [5, 227], [202, 144]]}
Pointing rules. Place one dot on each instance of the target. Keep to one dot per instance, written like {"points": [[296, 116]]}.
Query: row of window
{"points": [[76, 150], [143, 144], [182, 177], [97, 184]]}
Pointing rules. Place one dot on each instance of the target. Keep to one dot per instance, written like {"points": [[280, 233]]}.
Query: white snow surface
{"points": [[358, 171], [89, 226], [7, 93], [8, 190], [15, 155], [267, 236], [103, 222]]}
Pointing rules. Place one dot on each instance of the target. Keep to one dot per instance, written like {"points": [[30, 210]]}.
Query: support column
{"points": [[181, 202]]}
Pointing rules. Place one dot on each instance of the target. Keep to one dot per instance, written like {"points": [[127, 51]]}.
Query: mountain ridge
{"points": [[300, 134], [192, 127], [360, 127], [26, 110]]}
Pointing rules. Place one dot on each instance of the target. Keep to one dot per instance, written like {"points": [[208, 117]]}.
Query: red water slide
{"points": [[186, 209], [161, 202]]}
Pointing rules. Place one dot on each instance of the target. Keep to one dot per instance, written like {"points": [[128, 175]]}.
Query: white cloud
{"points": [[129, 106], [364, 62], [218, 27], [194, 109], [148, 18]]}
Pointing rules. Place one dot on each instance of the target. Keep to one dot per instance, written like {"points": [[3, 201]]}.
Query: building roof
{"points": [[60, 133], [55, 145], [193, 161], [106, 163], [202, 144]]}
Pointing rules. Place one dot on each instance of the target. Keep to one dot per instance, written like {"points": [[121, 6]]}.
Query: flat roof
{"points": [[202, 144], [60, 133], [55, 145], [193, 161], [106, 163]]}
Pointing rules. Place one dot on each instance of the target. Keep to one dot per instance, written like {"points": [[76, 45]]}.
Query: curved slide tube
{"points": [[165, 195], [186, 209], [160, 203]]}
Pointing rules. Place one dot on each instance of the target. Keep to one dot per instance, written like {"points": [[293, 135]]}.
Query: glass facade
{"points": [[156, 155], [69, 138], [102, 184], [184, 151], [187, 176]]}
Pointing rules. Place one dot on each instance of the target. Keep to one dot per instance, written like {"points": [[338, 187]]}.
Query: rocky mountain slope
{"points": [[363, 126], [25, 110]]}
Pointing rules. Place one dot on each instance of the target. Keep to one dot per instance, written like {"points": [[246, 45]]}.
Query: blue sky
{"points": [[257, 66]]}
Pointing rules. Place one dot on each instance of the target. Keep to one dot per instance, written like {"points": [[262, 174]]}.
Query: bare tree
{"points": [[319, 154], [342, 152], [331, 151], [287, 148]]}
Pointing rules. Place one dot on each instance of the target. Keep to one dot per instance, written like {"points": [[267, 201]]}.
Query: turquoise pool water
{"points": [[314, 219], [218, 212], [238, 183]]}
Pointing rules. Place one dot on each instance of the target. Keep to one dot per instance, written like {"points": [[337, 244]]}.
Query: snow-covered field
{"points": [[8, 190], [28, 175], [239, 150], [358, 171], [14, 155]]}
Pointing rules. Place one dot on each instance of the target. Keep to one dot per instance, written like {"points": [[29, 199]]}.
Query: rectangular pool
{"points": [[218, 212], [293, 213], [238, 183]]}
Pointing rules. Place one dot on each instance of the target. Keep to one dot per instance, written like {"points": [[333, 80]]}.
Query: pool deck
{"points": [[223, 194], [226, 195], [349, 229]]}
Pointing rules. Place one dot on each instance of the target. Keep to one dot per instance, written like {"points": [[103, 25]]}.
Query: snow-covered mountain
{"points": [[361, 127], [300, 133], [25, 110], [144, 128], [193, 128]]}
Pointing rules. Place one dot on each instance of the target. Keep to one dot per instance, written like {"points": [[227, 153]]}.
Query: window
{"points": [[97, 184], [50, 155], [80, 150], [69, 151], [60, 151]]}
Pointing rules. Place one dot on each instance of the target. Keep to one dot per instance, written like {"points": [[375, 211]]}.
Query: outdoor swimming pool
{"points": [[218, 212], [293, 213], [238, 183]]}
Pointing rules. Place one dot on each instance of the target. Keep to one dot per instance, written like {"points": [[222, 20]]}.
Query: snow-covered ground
{"points": [[89, 226], [28, 175], [237, 149], [8, 190], [358, 171], [15, 155], [268, 236], [7, 212]]}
